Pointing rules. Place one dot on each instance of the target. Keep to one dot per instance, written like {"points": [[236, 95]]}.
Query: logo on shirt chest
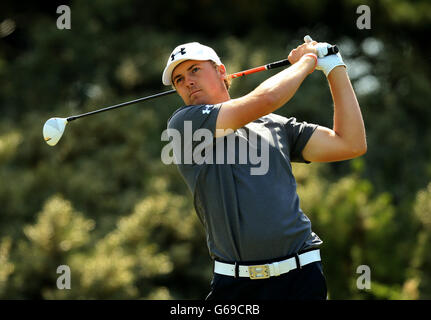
{"points": [[207, 110], [243, 146]]}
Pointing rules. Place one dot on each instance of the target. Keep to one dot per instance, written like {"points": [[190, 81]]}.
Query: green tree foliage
{"points": [[6, 267], [419, 283], [357, 228], [103, 203]]}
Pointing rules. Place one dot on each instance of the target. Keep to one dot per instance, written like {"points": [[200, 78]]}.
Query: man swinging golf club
{"points": [[259, 238]]}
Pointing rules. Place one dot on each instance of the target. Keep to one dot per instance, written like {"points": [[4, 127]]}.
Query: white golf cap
{"points": [[187, 51]]}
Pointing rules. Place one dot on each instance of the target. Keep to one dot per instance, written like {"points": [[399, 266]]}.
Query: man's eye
{"points": [[195, 69], [178, 80]]}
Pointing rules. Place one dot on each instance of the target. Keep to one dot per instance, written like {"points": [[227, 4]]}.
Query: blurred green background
{"points": [[103, 203]]}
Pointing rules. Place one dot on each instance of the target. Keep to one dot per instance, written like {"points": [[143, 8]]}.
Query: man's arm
{"points": [[347, 138], [266, 98]]}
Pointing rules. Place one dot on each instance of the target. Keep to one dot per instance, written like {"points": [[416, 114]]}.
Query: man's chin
{"points": [[198, 101]]}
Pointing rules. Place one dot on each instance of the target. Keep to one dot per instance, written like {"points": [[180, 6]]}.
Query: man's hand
{"points": [[301, 50], [329, 62], [325, 63]]}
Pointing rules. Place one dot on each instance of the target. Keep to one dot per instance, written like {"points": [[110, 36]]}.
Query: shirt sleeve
{"points": [[201, 117], [298, 134], [192, 131]]}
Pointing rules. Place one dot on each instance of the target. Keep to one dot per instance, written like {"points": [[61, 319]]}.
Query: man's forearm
{"points": [[281, 87], [266, 98], [348, 122]]}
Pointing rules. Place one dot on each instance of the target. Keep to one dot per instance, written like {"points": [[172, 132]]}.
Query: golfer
{"points": [[261, 242]]}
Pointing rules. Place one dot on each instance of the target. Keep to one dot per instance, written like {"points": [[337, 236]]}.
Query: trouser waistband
{"points": [[263, 271]]}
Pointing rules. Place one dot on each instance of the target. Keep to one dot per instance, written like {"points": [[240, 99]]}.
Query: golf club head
{"points": [[53, 130]]}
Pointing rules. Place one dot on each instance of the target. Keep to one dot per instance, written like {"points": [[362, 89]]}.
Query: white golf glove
{"points": [[324, 62], [327, 62]]}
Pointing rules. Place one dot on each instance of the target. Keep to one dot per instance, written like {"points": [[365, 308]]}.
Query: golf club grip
{"points": [[273, 65], [277, 64], [332, 50], [285, 62]]}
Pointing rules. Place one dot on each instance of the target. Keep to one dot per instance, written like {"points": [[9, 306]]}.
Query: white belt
{"points": [[264, 271]]}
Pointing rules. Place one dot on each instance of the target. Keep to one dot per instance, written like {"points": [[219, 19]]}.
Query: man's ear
{"points": [[222, 70]]}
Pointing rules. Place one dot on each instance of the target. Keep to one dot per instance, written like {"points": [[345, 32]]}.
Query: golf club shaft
{"points": [[161, 94], [272, 65], [268, 66]]}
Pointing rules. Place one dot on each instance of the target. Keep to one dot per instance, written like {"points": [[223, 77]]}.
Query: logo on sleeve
{"points": [[207, 110]]}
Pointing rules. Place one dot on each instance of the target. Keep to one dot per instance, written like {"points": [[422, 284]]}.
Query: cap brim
{"points": [[167, 73]]}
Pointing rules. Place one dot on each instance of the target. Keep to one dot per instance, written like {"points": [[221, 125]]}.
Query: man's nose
{"points": [[190, 81]]}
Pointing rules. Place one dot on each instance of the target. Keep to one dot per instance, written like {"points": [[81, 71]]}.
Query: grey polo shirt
{"points": [[243, 187]]}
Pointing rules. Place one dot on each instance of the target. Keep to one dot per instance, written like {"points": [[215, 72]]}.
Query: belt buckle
{"points": [[259, 271]]}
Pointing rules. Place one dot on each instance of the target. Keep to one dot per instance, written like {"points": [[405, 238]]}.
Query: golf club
{"points": [[54, 127]]}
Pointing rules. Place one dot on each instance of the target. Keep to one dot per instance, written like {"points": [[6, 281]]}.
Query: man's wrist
{"points": [[311, 60], [328, 63], [336, 71]]}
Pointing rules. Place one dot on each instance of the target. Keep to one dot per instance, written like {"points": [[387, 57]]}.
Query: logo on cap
{"points": [[182, 51]]}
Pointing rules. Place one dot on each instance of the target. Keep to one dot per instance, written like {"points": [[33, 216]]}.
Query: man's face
{"points": [[199, 82]]}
